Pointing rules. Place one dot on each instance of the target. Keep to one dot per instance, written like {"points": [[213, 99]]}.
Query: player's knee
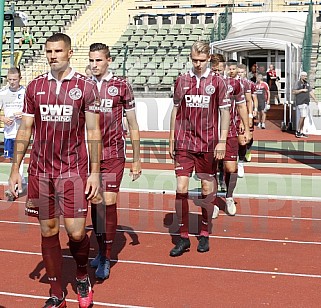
{"points": [[76, 236], [49, 227]]}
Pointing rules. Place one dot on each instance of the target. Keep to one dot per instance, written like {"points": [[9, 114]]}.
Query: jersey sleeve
{"points": [[224, 99], [128, 98], [28, 105], [238, 92], [91, 97], [178, 93]]}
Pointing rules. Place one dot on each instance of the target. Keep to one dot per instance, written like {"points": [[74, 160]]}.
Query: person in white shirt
{"points": [[11, 102]]}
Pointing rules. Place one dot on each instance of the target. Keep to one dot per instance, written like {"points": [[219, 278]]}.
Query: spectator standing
{"points": [[11, 102], [302, 91], [271, 79]]}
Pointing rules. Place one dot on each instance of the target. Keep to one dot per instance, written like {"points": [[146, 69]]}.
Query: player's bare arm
{"points": [[219, 151], [171, 132], [136, 168], [94, 149], [256, 104], [21, 146], [242, 110], [249, 105]]}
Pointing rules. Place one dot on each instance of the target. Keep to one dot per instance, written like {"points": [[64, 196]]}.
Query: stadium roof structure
{"points": [[268, 31], [254, 31]]}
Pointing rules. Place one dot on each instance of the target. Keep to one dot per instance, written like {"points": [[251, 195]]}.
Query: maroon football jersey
{"points": [[116, 95], [236, 93], [58, 107], [198, 101], [246, 85]]}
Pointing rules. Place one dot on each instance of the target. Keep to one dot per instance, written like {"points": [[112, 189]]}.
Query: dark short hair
{"points": [[217, 57], [231, 62], [100, 47], [57, 37], [14, 70]]}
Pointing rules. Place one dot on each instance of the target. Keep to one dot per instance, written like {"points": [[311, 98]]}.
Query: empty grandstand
{"points": [[150, 40]]}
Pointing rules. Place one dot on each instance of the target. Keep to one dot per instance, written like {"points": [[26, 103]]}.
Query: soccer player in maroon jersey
{"points": [[238, 109], [58, 106], [252, 104], [196, 141], [116, 96], [263, 97]]}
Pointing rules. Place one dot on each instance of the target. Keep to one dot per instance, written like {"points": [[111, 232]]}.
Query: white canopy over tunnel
{"points": [[268, 31]]}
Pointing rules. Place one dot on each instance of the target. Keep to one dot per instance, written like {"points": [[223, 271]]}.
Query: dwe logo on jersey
{"points": [[201, 101], [56, 113], [106, 105]]}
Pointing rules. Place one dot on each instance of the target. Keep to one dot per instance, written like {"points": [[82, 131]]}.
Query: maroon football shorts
{"points": [[112, 171], [204, 163], [49, 198], [232, 149]]}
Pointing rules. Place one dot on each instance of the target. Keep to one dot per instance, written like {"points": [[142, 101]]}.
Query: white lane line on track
{"points": [[196, 267], [68, 300], [242, 196], [197, 213], [235, 238], [219, 194]]}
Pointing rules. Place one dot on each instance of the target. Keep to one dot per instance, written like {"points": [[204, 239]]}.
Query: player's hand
{"points": [[219, 151], [15, 183], [247, 136], [7, 121], [254, 113], [136, 170], [18, 115], [92, 186], [171, 150]]}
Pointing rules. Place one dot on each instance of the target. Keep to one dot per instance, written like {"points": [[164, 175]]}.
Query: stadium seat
{"points": [[172, 73], [152, 65], [142, 45], [149, 52], [166, 44], [168, 81], [139, 80], [153, 81], [139, 65], [133, 72], [154, 45], [146, 72]]}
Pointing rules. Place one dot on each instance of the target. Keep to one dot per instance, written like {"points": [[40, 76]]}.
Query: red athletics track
{"points": [[267, 255]]}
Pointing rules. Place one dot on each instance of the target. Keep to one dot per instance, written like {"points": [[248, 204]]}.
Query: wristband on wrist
{"points": [[255, 109], [250, 115]]}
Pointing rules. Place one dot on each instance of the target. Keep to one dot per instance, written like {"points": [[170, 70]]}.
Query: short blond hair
{"points": [[201, 47]]}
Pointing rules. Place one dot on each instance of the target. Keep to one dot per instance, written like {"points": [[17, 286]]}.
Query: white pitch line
{"points": [[219, 194], [69, 300], [195, 267], [211, 236], [242, 196]]}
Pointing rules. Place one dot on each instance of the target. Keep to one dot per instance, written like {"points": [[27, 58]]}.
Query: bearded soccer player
{"points": [[197, 140], [116, 97], [58, 106]]}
